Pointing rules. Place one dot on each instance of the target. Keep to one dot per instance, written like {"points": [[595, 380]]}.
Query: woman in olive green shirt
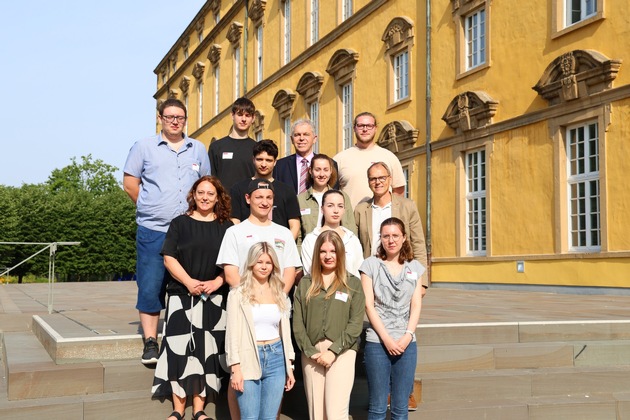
{"points": [[329, 307]]}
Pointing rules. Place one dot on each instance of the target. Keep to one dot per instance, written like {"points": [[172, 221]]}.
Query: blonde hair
{"points": [[276, 284], [340, 279]]}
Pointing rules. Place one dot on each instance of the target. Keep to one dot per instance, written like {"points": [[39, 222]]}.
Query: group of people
{"points": [[228, 248]]}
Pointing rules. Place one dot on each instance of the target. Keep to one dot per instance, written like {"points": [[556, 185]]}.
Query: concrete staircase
{"points": [[525, 370]]}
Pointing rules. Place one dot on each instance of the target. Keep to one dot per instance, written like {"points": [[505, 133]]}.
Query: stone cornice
{"points": [[470, 110], [576, 74], [257, 11], [309, 85], [214, 55], [184, 84], [283, 102], [397, 136], [399, 30], [198, 70], [234, 33]]}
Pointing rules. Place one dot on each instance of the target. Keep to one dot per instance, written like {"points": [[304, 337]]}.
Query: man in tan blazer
{"points": [[370, 214]]}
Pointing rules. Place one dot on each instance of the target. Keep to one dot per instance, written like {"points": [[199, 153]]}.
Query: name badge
{"points": [[305, 212], [228, 155], [195, 167], [341, 296], [411, 275]]}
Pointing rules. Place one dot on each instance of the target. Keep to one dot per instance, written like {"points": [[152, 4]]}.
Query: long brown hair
{"points": [[223, 206], [340, 280], [333, 171], [406, 252]]}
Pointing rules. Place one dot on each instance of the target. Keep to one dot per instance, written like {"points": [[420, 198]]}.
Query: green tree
{"points": [[90, 175]]}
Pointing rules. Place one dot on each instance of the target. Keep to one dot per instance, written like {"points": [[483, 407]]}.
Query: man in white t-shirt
{"points": [[354, 162], [258, 228]]}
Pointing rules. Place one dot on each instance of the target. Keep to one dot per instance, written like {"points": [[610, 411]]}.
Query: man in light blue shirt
{"points": [[158, 175]]}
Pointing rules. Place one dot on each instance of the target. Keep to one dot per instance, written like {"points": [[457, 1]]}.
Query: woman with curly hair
{"points": [[192, 357], [327, 321], [259, 349], [393, 298]]}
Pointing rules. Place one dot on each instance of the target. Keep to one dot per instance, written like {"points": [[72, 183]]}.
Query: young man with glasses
{"points": [[158, 175], [354, 161]]}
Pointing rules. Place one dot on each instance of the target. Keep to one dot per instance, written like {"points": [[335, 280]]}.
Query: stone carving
{"points": [[257, 11], [215, 6], [397, 136], [283, 102], [310, 86], [470, 110], [259, 121], [234, 33], [173, 93], [399, 30], [577, 74], [214, 55], [199, 27], [184, 84], [342, 64], [198, 70]]}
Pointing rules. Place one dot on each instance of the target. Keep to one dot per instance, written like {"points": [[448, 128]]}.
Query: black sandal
{"points": [[176, 415], [199, 414]]}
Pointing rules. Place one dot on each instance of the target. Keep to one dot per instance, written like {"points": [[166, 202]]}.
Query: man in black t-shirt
{"points": [[286, 210], [231, 156]]}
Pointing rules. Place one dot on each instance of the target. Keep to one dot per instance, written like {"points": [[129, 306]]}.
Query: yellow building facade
{"points": [[526, 106]]}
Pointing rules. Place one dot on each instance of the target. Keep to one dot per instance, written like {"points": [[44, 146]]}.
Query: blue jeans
{"points": [[383, 370], [261, 397], [150, 270]]}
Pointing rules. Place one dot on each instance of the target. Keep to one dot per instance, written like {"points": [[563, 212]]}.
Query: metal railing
{"points": [[52, 246]]}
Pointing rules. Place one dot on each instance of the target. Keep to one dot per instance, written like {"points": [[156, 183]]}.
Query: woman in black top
{"points": [[192, 356]]}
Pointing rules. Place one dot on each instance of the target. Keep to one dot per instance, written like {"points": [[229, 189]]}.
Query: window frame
{"points": [[401, 73], [479, 195], [313, 115], [461, 12], [237, 72], [346, 11], [314, 21], [559, 14], [286, 32], [475, 35], [259, 53], [584, 178], [558, 129], [199, 103], [347, 114], [217, 85]]}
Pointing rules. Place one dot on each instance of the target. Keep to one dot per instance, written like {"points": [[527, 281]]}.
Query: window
{"points": [[259, 135], [582, 143], [348, 114], [407, 180], [472, 24], [346, 9], [259, 53], [216, 90], [237, 72], [313, 115], [287, 136], [199, 104], [287, 31], [476, 203], [578, 10], [475, 39], [314, 21], [401, 76], [217, 17]]}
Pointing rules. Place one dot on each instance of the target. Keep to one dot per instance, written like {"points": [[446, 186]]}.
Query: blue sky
{"points": [[77, 79]]}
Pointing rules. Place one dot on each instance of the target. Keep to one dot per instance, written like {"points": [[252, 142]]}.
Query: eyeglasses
{"points": [[381, 179], [365, 126], [170, 118], [394, 238]]}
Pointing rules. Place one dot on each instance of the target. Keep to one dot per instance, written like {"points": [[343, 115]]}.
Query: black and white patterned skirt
{"points": [[192, 355]]}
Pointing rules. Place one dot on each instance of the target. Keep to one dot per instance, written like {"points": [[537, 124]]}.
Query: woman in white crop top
{"points": [[258, 336]]}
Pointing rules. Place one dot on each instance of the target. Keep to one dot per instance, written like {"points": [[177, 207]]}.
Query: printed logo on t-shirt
{"points": [[278, 244], [228, 155]]}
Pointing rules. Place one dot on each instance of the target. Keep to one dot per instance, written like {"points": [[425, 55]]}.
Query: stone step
{"points": [[31, 373], [69, 341], [522, 332], [524, 383], [538, 408], [522, 355]]}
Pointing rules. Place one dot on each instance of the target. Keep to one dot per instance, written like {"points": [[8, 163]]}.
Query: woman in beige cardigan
{"points": [[258, 336]]}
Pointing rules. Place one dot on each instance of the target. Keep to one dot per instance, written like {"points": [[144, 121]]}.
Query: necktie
{"points": [[303, 174]]}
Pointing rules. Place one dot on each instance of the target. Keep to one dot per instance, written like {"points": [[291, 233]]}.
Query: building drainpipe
{"points": [[245, 38], [428, 135]]}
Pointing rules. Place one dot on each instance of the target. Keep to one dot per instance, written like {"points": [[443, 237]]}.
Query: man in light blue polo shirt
{"points": [[158, 175]]}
